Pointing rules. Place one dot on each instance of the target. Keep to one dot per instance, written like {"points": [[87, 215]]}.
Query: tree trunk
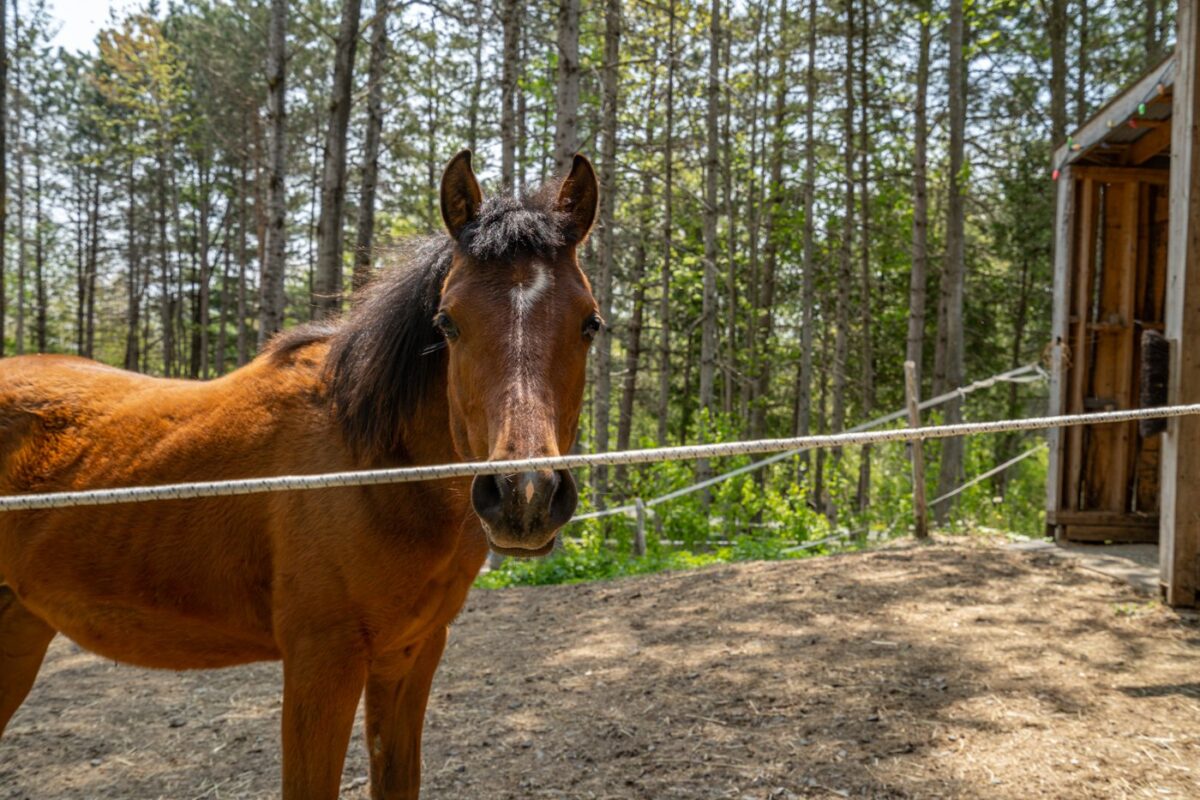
{"points": [[205, 297], [522, 110], [1057, 30], [729, 371], [845, 271], [950, 469], [1151, 34], [864, 180], [664, 313], [610, 82], [433, 159], [476, 79], [243, 335], [81, 190], [754, 200], [19, 151], [327, 293], [226, 299], [712, 166], [918, 278], [774, 223], [3, 171], [271, 285], [708, 303], [633, 338], [39, 250], [1009, 442], [365, 243], [809, 287], [512, 12], [566, 118], [1081, 77], [133, 312], [166, 310], [820, 496], [93, 263]]}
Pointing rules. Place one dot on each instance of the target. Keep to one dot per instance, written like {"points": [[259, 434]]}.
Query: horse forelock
{"points": [[510, 226]]}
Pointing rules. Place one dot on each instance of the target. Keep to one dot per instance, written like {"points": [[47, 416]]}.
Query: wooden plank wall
{"points": [[1179, 544], [1151, 298], [1109, 334], [1108, 487], [1083, 272], [1064, 249]]}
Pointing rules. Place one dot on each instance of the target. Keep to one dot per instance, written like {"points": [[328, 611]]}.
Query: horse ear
{"points": [[461, 197], [578, 197]]}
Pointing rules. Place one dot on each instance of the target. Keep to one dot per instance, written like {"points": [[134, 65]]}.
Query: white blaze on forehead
{"points": [[529, 290], [525, 295]]}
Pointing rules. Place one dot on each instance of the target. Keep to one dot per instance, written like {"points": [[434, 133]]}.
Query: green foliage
{"points": [[767, 515]]}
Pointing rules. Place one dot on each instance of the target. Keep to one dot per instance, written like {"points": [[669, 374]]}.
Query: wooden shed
{"points": [[1127, 237]]}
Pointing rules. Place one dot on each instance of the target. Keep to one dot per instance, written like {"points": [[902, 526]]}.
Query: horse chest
{"points": [[401, 618]]}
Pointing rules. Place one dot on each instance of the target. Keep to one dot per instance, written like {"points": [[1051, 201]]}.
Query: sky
{"points": [[81, 20]]}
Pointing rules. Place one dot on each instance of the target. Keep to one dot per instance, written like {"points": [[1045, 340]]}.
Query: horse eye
{"points": [[446, 325], [592, 326]]}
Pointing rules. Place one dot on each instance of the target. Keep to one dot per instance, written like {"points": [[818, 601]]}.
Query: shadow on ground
{"points": [[939, 671]]}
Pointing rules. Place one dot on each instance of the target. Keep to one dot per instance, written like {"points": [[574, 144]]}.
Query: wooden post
{"points": [[639, 537], [1179, 534], [913, 393], [1060, 334]]}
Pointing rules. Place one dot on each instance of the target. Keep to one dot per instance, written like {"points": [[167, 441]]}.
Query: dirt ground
{"points": [[913, 671]]}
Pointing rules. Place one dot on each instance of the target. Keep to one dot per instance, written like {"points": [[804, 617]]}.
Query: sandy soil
{"points": [[943, 671]]}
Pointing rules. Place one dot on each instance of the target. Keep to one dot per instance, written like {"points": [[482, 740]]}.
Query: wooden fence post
{"points": [[912, 394], [1179, 531], [639, 537]]}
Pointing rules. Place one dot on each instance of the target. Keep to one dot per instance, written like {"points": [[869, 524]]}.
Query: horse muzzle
{"points": [[521, 512]]}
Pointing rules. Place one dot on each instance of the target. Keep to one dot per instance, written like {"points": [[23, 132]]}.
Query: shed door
{"points": [[1110, 474]]}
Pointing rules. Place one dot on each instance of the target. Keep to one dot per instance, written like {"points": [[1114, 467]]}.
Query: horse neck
{"points": [[425, 437]]}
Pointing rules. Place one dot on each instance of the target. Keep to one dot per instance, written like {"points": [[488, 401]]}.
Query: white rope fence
{"points": [[229, 488], [996, 470], [1027, 374]]}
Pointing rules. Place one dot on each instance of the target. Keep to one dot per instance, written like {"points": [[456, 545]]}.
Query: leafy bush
{"points": [[769, 513]]}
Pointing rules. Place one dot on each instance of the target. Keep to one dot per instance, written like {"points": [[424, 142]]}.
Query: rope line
{"points": [[996, 470], [1026, 374], [228, 488]]}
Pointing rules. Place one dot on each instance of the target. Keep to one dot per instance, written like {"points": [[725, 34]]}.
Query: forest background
{"points": [[798, 196]]}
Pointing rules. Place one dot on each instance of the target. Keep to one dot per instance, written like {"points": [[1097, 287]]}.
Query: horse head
{"points": [[518, 317]]}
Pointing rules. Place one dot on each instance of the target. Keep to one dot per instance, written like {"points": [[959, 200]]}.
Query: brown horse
{"points": [[475, 349]]}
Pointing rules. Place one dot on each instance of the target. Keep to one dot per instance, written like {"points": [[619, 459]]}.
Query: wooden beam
{"points": [[1179, 550], [1119, 110], [1149, 145], [1109, 533], [912, 394], [1107, 518], [1064, 245], [1122, 174], [1083, 270]]}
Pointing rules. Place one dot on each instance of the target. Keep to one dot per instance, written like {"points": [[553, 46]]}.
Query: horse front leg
{"points": [[23, 642], [397, 692], [322, 683]]}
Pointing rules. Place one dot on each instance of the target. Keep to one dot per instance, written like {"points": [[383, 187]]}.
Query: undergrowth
{"points": [[773, 513]]}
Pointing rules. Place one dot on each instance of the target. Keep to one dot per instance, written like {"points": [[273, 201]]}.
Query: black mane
{"points": [[386, 354]]}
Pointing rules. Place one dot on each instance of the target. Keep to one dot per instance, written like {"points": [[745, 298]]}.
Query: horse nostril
{"points": [[564, 499], [487, 497]]}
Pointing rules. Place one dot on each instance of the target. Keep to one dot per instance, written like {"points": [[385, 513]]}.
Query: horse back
{"points": [[50, 405]]}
